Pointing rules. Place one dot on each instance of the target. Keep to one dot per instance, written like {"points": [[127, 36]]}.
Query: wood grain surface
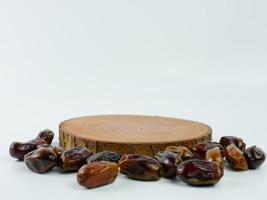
{"points": [[131, 133]]}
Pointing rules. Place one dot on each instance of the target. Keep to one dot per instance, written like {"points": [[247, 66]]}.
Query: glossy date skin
{"points": [[41, 160], [181, 151], [227, 140], [200, 149], [199, 172], [19, 150], [104, 156], [140, 167], [97, 174], [235, 158], [46, 135], [169, 162], [255, 157], [72, 159]]}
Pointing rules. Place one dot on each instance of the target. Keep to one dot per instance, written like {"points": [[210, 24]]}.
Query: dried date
{"points": [[214, 155], [19, 150], [140, 167], [41, 160], [169, 162], [72, 159], [97, 174], [255, 157], [46, 135], [236, 158], [199, 172]]}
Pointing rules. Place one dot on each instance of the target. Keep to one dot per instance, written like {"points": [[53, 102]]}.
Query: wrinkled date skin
{"points": [[140, 167], [199, 172], [71, 160], [199, 150], [255, 157], [168, 161], [235, 158], [19, 150], [104, 156], [181, 151], [41, 160], [46, 135], [227, 140], [214, 155], [97, 174]]}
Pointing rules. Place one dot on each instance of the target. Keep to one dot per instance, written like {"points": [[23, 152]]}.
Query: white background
{"points": [[200, 60]]}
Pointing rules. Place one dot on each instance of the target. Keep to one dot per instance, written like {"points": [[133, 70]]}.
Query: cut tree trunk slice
{"points": [[131, 133]]}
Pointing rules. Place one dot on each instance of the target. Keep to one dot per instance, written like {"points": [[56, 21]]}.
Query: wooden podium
{"points": [[131, 133]]}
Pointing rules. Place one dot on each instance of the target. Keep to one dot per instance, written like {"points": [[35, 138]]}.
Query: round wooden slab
{"points": [[131, 133]]}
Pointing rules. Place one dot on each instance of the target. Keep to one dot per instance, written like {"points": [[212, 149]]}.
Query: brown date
{"points": [[72, 159], [46, 135], [97, 174], [255, 157], [181, 151], [168, 161], [19, 150], [214, 155], [104, 156], [235, 158], [199, 172], [41, 160], [227, 140], [140, 167], [199, 150]]}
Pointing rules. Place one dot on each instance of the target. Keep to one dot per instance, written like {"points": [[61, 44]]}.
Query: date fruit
{"points": [[181, 151], [235, 158], [168, 161], [227, 140], [199, 172], [199, 150], [72, 159], [41, 160], [140, 167], [19, 150], [104, 156], [214, 155], [255, 157], [97, 174], [46, 135]]}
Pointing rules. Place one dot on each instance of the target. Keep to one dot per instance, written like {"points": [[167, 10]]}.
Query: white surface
{"points": [[200, 60]]}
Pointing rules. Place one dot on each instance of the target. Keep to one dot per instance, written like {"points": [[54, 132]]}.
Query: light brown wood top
{"points": [[134, 129]]}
